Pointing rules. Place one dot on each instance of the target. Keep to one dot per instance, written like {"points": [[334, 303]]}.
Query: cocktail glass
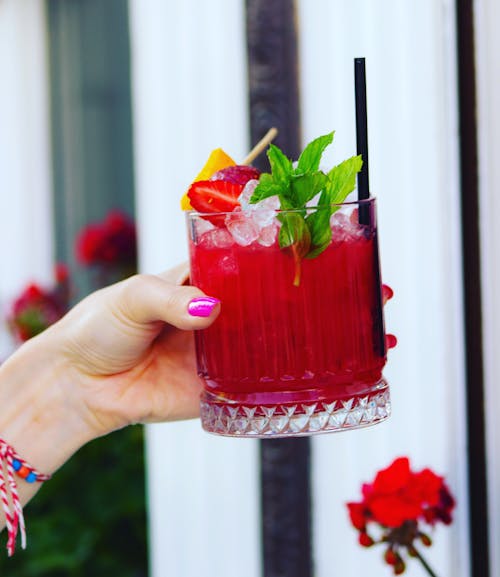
{"points": [[299, 346]]}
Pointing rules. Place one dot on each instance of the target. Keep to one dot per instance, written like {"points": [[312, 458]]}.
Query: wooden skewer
{"points": [[261, 145]]}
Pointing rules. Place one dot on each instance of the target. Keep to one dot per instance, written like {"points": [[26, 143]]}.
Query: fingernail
{"points": [[391, 341], [202, 306], [387, 293]]}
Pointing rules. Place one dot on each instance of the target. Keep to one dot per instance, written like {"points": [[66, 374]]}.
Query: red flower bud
{"points": [[365, 540], [390, 557]]}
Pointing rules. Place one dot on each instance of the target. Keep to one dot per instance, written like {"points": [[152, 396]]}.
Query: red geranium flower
{"points": [[109, 242], [358, 514], [398, 501], [36, 308], [88, 245]]}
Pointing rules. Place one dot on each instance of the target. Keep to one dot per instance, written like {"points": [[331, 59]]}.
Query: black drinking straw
{"points": [[362, 135], [363, 180], [361, 126]]}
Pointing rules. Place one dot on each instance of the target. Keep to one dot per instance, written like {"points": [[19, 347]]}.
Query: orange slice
{"points": [[217, 160]]}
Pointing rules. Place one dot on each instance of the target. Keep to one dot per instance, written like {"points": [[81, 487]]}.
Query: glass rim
{"points": [[358, 202]]}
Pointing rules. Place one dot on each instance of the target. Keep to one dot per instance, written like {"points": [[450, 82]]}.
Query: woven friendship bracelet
{"points": [[11, 462]]}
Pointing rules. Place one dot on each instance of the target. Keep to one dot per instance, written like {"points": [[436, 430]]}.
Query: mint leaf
{"points": [[266, 188], [303, 234], [341, 182], [294, 231], [318, 223], [311, 155], [304, 187], [278, 182], [342, 179], [281, 165]]}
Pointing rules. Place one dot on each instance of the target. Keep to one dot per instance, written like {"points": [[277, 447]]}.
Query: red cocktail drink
{"points": [[287, 358]]}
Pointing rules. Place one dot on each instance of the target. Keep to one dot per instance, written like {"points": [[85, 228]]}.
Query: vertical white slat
{"points": [[25, 164], [487, 16], [412, 108], [189, 96]]}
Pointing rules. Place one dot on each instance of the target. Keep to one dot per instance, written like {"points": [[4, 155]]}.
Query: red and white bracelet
{"points": [[15, 466]]}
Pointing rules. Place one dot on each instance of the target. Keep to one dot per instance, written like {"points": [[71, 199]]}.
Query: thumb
{"points": [[148, 298]]}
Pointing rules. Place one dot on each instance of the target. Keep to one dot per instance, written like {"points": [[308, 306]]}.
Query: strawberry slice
{"points": [[214, 196]]}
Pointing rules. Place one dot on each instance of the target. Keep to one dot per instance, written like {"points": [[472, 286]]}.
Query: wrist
{"points": [[38, 416]]}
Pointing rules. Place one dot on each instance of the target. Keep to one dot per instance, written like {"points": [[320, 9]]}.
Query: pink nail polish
{"points": [[202, 306]]}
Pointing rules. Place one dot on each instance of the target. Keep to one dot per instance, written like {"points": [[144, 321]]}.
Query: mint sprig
{"points": [[305, 233]]}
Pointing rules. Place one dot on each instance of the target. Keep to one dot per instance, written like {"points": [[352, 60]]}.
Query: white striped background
{"points": [[189, 89]]}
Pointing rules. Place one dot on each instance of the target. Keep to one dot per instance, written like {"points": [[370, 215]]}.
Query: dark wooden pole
{"points": [[273, 73], [285, 463], [476, 428]]}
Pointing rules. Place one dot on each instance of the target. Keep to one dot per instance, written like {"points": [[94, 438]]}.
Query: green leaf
{"points": [[278, 182], [342, 179], [341, 182], [266, 188], [281, 165], [318, 223], [311, 155], [303, 234], [305, 187], [294, 231]]}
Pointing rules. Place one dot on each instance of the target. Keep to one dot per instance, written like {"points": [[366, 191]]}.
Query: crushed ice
{"points": [[345, 227], [202, 226], [242, 228], [254, 222], [248, 223], [216, 238]]}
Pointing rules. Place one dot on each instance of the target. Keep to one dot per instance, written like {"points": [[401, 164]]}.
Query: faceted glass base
{"points": [[288, 420]]}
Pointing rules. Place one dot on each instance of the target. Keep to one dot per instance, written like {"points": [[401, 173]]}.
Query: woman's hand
{"points": [[130, 350], [124, 354]]}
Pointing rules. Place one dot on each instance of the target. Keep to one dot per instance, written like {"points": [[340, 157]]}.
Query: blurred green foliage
{"points": [[90, 518]]}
